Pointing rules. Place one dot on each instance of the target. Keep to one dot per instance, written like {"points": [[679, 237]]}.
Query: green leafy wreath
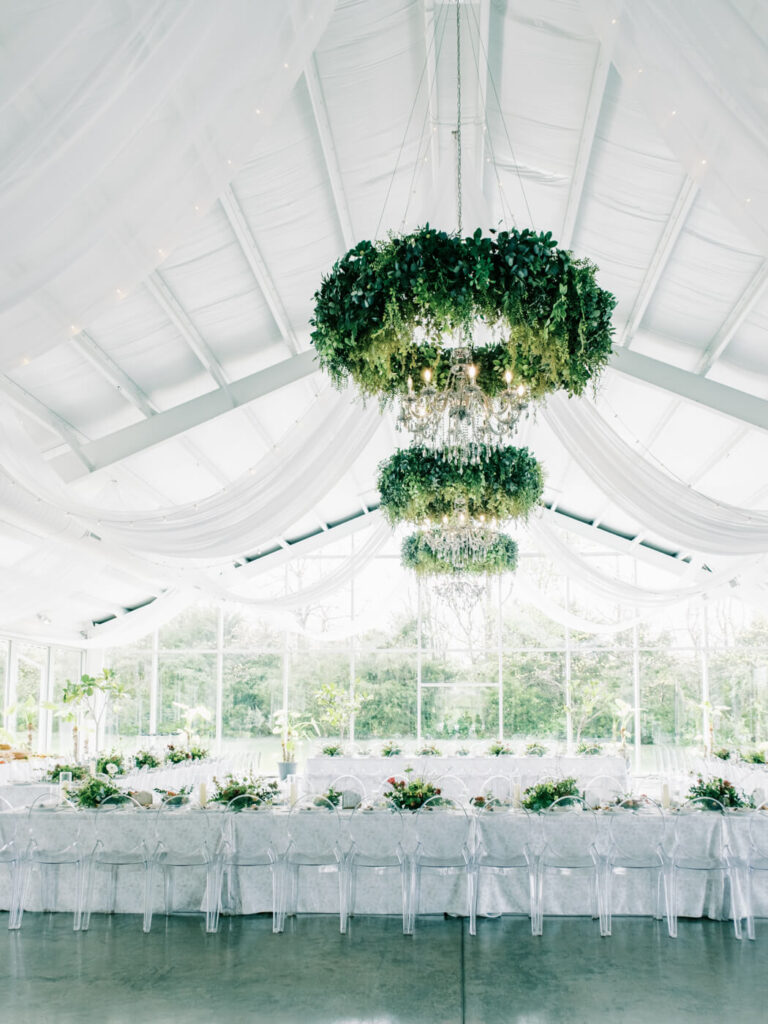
{"points": [[553, 317], [418, 483], [417, 554]]}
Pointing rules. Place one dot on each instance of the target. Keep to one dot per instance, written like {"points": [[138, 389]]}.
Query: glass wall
{"points": [[530, 656]]}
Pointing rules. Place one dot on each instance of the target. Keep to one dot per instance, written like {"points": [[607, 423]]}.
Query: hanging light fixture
{"points": [[461, 420]]}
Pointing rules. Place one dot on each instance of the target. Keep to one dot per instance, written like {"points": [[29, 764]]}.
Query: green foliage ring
{"points": [[553, 317], [417, 554], [418, 483]]}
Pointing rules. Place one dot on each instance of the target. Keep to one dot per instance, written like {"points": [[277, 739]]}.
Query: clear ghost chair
{"points": [[453, 788], [352, 790], [376, 842], [755, 863], [187, 841], [505, 842], [443, 844], [569, 836], [637, 834], [254, 836], [314, 841], [10, 855], [498, 788], [602, 790], [701, 846], [119, 838], [53, 841]]}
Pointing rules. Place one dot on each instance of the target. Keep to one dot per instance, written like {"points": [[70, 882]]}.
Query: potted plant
{"points": [[291, 727], [337, 707]]}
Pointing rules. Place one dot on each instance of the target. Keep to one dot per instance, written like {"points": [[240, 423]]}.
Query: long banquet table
{"points": [[320, 772], [378, 890]]}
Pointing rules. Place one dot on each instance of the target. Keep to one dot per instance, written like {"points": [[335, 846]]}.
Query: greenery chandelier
{"points": [[425, 487], [421, 552]]}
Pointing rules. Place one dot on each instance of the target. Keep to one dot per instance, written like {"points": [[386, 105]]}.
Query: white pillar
{"points": [[219, 676]]}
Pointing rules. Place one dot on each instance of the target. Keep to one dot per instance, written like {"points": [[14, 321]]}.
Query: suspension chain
{"points": [[458, 115]]}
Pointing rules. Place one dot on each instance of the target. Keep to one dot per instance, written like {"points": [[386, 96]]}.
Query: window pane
{"points": [[187, 680], [534, 694]]}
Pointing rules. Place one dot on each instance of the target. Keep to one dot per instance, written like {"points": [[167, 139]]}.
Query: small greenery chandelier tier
{"points": [[422, 486], [421, 552]]}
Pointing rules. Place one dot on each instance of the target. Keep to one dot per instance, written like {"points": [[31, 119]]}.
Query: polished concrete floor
{"points": [[115, 974]]}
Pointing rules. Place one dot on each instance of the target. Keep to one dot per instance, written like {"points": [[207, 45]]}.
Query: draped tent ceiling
{"points": [[176, 178]]}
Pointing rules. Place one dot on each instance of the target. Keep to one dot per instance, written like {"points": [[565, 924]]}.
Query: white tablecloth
{"points": [[378, 890], [320, 772]]}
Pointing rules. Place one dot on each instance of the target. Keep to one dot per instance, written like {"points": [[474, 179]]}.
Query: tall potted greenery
{"points": [[291, 727], [93, 695], [338, 707]]}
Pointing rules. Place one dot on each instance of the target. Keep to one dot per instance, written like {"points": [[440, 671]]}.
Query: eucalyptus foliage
{"points": [[553, 319], [418, 483], [418, 555]]}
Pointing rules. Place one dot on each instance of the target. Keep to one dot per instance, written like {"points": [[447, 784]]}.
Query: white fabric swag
{"points": [[122, 123], [664, 505], [252, 511], [697, 68]]}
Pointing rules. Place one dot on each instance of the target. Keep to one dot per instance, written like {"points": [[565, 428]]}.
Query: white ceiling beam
{"points": [[738, 405], [586, 141], [669, 236], [46, 417], [743, 308], [328, 147], [606, 537], [163, 426], [130, 390], [717, 455], [108, 368], [234, 214], [162, 294]]}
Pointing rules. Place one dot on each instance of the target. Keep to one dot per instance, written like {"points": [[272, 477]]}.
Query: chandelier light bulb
{"points": [[471, 372], [427, 376], [410, 385], [508, 377]]}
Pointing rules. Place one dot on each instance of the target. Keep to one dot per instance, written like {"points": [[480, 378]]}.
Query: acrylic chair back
{"points": [[603, 790], [497, 788], [442, 829], [53, 824], [186, 836], [351, 789], [314, 827], [377, 834], [504, 835], [453, 788], [758, 832], [701, 834], [8, 824], [119, 823], [638, 828], [568, 831], [255, 832]]}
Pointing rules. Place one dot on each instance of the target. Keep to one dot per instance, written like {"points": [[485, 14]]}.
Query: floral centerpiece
{"points": [[180, 796], [718, 789], [332, 750], [588, 749], [78, 771], [535, 750], [499, 749], [94, 792], [410, 795], [391, 749], [429, 751], [544, 794], [146, 759], [260, 791], [331, 795], [753, 756]]}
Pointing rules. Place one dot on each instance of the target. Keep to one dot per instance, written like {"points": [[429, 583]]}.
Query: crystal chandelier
{"points": [[460, 540], [459, 591], [461, 418]]}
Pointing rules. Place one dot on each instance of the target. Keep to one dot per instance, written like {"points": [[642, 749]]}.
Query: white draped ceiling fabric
{"points": [[122, 123], [178, 175]]}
